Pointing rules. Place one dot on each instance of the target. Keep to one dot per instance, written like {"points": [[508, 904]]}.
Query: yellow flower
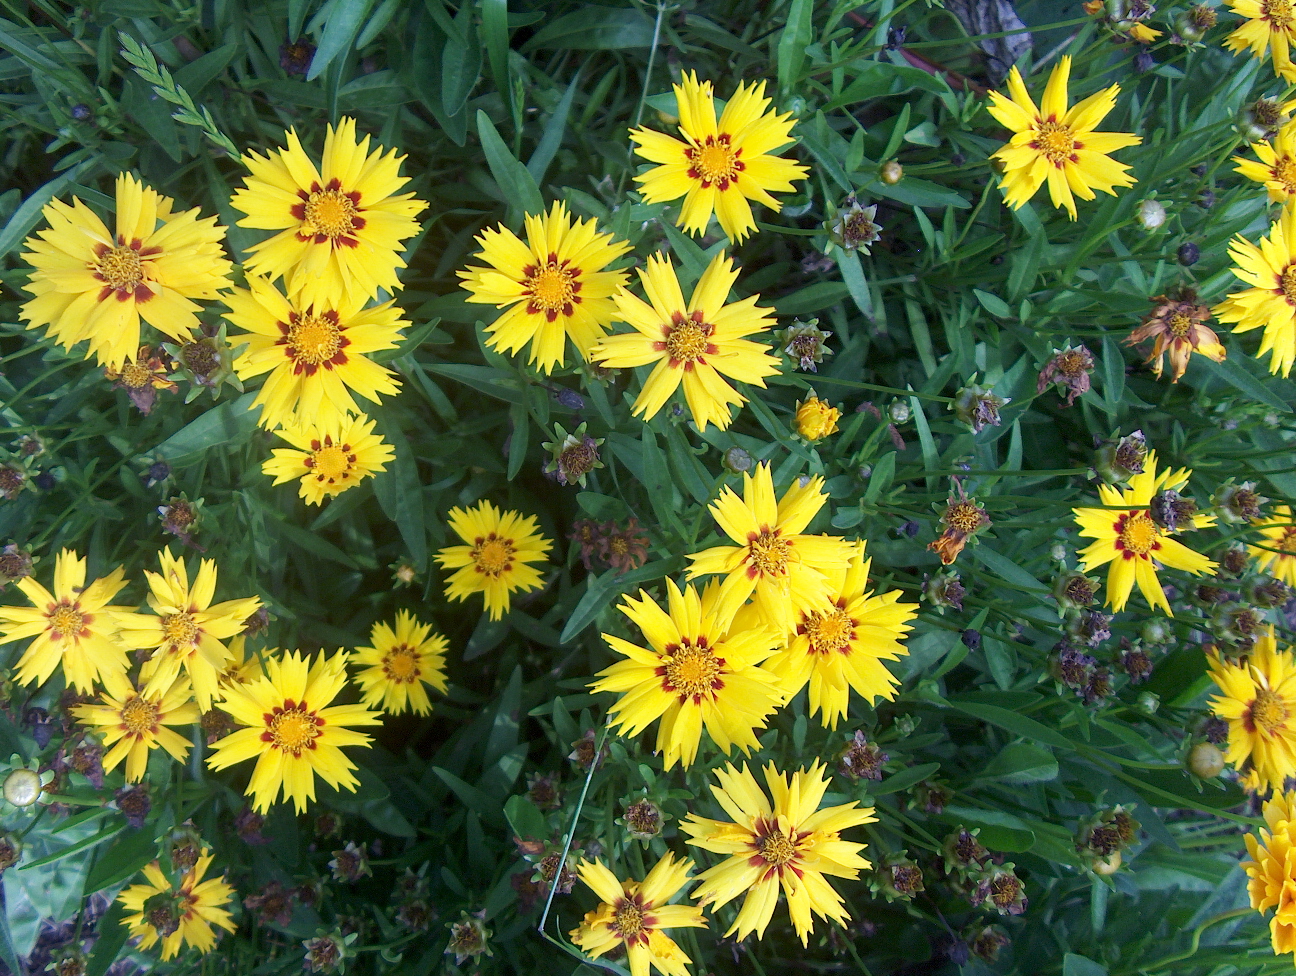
{"points": [[1269, 24], [73, 626], [185, 629], [1057, 145], [316, 355], [136, 721], [401, 661], [786, 571], [555, 282], [842, 644], [340, 228], [693, 343], [1272, 870], [176, 915], [1278, 532], [816, 419], [720, 165], [1271, 301], [293, 732], [1133, 542], [1143, 34], [1277, 166], [789, 843], [696, 671], [1258, 700], [92, 284], [331, 457], [635, 914], [241, 667], [496, 560]]}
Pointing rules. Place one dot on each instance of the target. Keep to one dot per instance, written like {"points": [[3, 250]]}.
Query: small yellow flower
{"points": [[177, 915], [501, 545], [1258, 700], [1058, 145], [329, 457], [1277, 532], [135, 721], [789, 842], [1270, 302], [816, 419], [1277, 166], [1272, 870], [400, 662], [720, 165], [1271, 25]]}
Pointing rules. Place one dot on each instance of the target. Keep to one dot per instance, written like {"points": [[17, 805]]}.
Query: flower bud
{"points": [[22, 787], [1205, 761], [816, 419], [891, 173], [1188, 254], [899, 411], [1261, 120], [1120, 460], [1151, 215], [738, 461]]}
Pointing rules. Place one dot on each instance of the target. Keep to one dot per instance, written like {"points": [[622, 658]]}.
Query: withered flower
{"points": [[1176, 326], [1069, 370], [142, 378], [963, 518]]}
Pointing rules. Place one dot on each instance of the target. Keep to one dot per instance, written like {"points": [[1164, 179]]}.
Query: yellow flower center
{"points": [[1268, 712], [767, 553], [314, 340], [1180, 325], [1137, 534], [1277, 12], [687, 340], [553, 288], [963, 517], [135, 376], [400, 664], [179, 629], [1055, 141], [330, 212], [330, 462], [1284, 172], [828, 632], [1288, 541], [692, 671], [777, 849], [493, 556], [119, 268], [715, 161], [628, 920], [139, 716], [66, 620], [292, 727]]}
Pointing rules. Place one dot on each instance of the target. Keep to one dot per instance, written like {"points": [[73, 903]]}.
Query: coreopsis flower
{"points": [[1051, 143], [696, 344], [316, 355], [633, 915], [293, 731], [1276, 552], [1276, 168], [555, 281], [815, 418], [340, 227], [1068, 369], [806, 343], [785, 570], [695, 671], [134, 721], [400, 660], [1270, 302], [177, 914], [623, 549], [1192, 24], [720, 165], [90, 283], [73, 626], [501, 546], [1127, 537], [841, 645], [1258, 700], [186, 630], [963, 518], [1177, 326], [1272, 870], [1270, 26], [572, 456], [1120, 459], [328, 457], [788, 842], [142, 378], [855, 227], [1262, 119], [180, 517]]}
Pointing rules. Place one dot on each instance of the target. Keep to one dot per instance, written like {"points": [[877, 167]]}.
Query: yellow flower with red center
{"points": [[1270, 302], [720, 165], [74, 626], [788, 843], [329, 457], [816, 419], [1056, 145], [135, 721], [1270, 25], [340, 227], [697, 671], [401, 660], [180, 914], [1258, 700], [1133, 542], [1278, 538], [554, 282], [1272, 870], [635, 914], [292, 729], [501, 546], [695, 343], [842, 644], [784, 570], [93, 284], [317, 355]]}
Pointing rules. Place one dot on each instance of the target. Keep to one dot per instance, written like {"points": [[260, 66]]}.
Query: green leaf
{"points": [[1006, 568], [1073, 965], [797, 33], [514, 179], [1012, 721], [525, 818], [339, 34], [460, 63], [495, 30], [600, 591], [904, 779], [1236, 375], [474, 799], [400, 494], [1020, 762], [594, 29], [112, 935], [553, 133], [132, 851], [228, 425], [993, 304], [852, 272], [1000, 831]]}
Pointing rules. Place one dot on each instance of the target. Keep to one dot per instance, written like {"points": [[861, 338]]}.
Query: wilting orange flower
{"points": [[1177, 324]]}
